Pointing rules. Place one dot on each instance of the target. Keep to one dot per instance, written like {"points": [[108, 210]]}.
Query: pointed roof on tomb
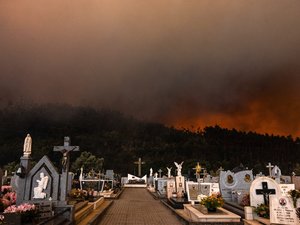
{"points": [[238, 168]]}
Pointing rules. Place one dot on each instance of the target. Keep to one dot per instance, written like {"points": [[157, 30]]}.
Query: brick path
{"points": [[137, 207]]}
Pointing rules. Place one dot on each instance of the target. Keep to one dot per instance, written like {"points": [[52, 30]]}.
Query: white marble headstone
{"points": [[171, 187], [263, 184], [282, 211]]}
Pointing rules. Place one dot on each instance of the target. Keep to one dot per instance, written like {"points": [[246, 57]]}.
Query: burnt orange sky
{"points": [[228, 62]]}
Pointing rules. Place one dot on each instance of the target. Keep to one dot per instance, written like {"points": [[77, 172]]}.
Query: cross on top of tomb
{"points": [[65, 149], [265, 191], [139, 163], [270, 166], [160, 171]]}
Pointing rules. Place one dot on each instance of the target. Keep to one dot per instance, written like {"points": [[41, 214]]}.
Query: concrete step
{"points": [[95, 216], [83, 213]]}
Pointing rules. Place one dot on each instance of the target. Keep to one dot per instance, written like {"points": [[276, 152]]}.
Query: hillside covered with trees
{"points": [[121, 140]]}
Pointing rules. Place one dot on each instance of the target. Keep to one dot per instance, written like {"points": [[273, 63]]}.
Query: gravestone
{"points": [[296, 181], [282, 211], [286, 179], [171, 187], [109, 174], [43, 170], [193, 190], [285, 188], [231, 182], [180, 185], [180, 180], [162, 186], [260, 190], [276, 173]]}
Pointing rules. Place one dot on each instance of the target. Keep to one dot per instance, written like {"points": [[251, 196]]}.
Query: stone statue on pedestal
{"points": [[27, 146], [179, 168]]}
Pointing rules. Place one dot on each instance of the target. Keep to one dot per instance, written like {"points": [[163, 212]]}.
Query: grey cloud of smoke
{"points": [[167, 61]]}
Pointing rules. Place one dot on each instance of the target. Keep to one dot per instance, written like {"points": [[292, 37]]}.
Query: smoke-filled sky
{"points": [[185, 63]]}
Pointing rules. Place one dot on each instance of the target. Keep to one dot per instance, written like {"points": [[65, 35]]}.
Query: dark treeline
{"points": [[120, 140]]}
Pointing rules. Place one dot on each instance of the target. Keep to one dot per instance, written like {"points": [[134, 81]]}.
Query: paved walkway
{"points": [[137, 207]]}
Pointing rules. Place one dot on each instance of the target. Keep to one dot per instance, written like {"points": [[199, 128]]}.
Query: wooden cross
{"points": [[265, 192], [139, 163], [270, 166], [65, 151]]}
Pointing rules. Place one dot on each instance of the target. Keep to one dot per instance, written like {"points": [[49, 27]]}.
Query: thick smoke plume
{"points": [[183, 63]]}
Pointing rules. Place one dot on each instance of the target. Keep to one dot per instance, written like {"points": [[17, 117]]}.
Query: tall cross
{"points": [[270, 166], [139, 163], [265, 192], [65, 151], [64, 180]]}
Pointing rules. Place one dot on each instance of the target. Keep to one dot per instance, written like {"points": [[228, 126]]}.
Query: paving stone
{"points": [[136, 206]]}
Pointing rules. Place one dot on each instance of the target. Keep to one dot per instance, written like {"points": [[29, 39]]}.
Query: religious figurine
{"points": [[155, 176], [179, 167], [197, 170], [151, 172], [27, 146], [64, 160], [42, 185], [169, 172]]}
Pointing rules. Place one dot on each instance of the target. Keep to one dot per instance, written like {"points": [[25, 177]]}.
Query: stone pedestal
{"points": [[171, 187]]}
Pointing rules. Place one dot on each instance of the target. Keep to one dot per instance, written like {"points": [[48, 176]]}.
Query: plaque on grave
{"points": [[282, 211], [162, 186], [193, 190]]}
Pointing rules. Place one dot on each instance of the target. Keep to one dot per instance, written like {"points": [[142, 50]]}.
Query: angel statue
{"points": [[169, 172], [179, 167]]}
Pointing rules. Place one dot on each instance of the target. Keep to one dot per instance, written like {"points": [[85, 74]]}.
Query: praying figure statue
{"points": [[27, 146], [169, 172], [42, 185], [179, 167], [151, 172]]}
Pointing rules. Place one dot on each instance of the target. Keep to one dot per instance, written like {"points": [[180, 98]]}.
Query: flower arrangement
{"points": [[245, 200], [77, 194], [213, 201], [6, 188], [23, 208], [294, 194], [7, 199], [26, 210], [262, 210]]}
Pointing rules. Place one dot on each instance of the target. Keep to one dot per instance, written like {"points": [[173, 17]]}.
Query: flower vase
{"points": [[213, 209]]}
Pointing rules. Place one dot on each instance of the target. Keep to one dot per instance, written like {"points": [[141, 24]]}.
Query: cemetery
{"points": [[44, 194]]}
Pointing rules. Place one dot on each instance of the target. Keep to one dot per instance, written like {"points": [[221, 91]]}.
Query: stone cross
{"points": [[265, 191], [65, 149], [159, 171], [270, 166], [139, 163]]}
